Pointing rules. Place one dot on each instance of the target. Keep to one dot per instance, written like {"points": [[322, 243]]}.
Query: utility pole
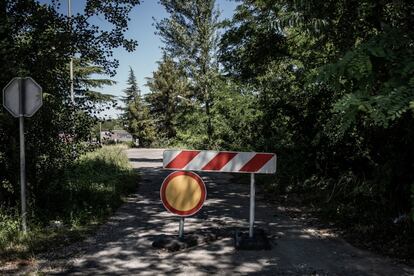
{"points": [[72, 94]]}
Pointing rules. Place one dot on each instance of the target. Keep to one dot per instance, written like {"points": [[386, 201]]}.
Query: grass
{"points": [[91, 190]]}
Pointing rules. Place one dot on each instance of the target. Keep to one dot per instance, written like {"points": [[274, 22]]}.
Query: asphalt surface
{"points": [[123, 246]]}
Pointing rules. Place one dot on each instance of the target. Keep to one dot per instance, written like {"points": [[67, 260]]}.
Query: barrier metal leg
{"points": [[252, 202]]}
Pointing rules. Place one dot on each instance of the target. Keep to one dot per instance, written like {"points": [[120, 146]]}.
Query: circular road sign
{"points": [[183, 193]]}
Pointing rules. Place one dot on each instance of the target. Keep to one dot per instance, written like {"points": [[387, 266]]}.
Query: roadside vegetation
{"points": [[69, 186], [90, 190], [326, 85]]}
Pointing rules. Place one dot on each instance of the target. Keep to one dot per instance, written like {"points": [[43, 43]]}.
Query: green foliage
{"points": [[251, 40], [327, 85], [37, 40], [91, 187], [96, 184], [132, 91], [190, 35], [333, 96], [85, 83], [234, 117], [135, 116], [377, 80], [90, 190], [9, 230], [140, 124], [169, 88]]}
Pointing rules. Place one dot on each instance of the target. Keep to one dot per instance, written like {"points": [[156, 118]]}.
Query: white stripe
{"points": [[269, 167], [238, 162], [169, 155], [200, 160]]}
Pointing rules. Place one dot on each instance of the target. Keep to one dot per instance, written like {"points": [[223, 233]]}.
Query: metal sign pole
{"points": [[181, 228], [22, 174], [252, 195], [22, 154]]}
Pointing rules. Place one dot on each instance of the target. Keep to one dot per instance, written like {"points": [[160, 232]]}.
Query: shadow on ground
{"points": [[124, 244]]}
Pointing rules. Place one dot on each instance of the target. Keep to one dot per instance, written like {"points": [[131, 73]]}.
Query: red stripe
{"points": [[219, 161], [182, 159], [256, 163]]}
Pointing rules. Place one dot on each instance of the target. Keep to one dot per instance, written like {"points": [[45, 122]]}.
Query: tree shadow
{"points": [[124, 244]]}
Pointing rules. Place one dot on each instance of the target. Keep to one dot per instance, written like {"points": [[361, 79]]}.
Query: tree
{"points": [[132, 91], [87, 80], [38, 41], [334, 87], [135, 114], [190, 36], [169, 86], [91, 103]]}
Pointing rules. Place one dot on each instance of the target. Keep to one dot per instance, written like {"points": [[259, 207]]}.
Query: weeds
{"points": [[89, 191]]}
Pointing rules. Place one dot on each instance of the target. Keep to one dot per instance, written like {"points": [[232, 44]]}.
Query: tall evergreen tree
{"points": [[168, 84], [135, 116], [190, 35], [132, 91], [87, 80]]}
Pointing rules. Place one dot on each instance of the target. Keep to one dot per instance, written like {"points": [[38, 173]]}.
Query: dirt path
{"points": [[123, 244]]}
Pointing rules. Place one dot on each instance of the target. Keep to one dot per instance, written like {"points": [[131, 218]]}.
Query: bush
{"points": [[88, 192], [9, 230]]}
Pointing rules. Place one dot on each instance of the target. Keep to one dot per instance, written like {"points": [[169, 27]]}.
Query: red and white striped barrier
{"points": [[219, 161]]}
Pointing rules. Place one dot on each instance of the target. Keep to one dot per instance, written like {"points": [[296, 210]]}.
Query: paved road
{"points": [[123, 245]]}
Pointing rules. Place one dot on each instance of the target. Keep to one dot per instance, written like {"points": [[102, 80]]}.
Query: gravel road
{"points": [[122, 246]]}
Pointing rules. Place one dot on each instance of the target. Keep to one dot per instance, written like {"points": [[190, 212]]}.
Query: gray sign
{"points": [[22, 97]]}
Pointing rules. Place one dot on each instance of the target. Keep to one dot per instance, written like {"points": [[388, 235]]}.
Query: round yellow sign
{"points": [[183, 193]]}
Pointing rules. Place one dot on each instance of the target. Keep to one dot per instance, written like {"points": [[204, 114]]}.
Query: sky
{"points": [[144, 59]]}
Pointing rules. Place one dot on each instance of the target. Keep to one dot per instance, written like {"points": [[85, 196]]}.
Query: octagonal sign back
{"points": [[22, 97]]}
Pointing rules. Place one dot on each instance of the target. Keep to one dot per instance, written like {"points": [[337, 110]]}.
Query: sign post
{"points": [[22, 97], [252, 202], [23, 174], [183, 194]]}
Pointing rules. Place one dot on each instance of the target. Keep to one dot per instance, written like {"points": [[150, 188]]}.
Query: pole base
{"points": [[175, 243], [259, 241]]}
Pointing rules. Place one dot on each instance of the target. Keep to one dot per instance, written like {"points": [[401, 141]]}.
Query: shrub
{"points": [[87, 193]]}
